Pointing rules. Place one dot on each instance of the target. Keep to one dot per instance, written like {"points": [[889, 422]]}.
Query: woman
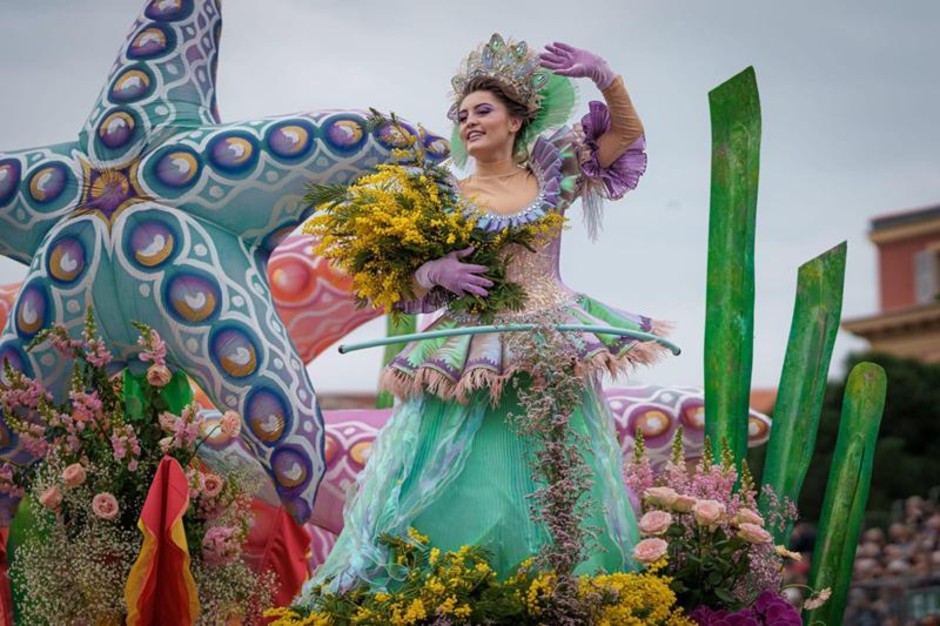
{"points": [[451, 463]]}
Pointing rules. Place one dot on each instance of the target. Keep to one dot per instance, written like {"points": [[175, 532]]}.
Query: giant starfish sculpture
{"points": [[161, 214]]}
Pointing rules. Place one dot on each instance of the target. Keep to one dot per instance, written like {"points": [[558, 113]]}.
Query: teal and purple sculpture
{"points": [[161, 214]]}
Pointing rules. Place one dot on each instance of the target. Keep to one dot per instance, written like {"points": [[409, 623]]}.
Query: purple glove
{"points": [[577, 63], [453, 275]]}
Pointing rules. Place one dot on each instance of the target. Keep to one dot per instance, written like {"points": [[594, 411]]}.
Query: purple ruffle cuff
{"points": [[624, 173]]}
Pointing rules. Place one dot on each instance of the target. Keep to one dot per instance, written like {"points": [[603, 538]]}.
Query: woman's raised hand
{"points": [[567, 60], [454, 275]]}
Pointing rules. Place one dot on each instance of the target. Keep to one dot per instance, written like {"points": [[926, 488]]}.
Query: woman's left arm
{"points": [[625, 127]]}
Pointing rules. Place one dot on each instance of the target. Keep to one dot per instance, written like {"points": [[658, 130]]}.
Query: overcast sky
{"points": [[850, 94]]}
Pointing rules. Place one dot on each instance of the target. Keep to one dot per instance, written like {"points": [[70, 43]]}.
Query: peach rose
{"points": [[683, 504], [166, 444], [211, 485], [231, 424], [661, 496], [159, 375], [708, 512], [650, 550], [74, 475], [51, 498], [747, 516], [655, 522], [752, 533], [105, 506]]}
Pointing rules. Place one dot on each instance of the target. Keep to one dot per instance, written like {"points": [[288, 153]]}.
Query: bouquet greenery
{"points": [[385, 224]]}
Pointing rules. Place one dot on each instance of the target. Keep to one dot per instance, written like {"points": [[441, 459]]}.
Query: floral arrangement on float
{"points": [[706, 558], [96, 515], [701, 528]]}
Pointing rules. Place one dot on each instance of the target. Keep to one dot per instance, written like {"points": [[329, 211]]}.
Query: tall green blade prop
{"points": [[729, 322], [847, 490], [816, 315], [394, 326]]}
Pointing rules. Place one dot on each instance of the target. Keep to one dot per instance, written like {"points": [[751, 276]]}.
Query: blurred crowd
{"points": [[896, 580]]}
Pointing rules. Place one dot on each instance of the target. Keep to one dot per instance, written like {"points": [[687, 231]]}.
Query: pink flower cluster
{"points": [[87, 411], [8, 483], [182, 431], [97, 353], [204, 491], [153, 350], [231, 424], [220, 545], [74, 475], [105, 506], [125, 445], [26, 394], [704, 512]]}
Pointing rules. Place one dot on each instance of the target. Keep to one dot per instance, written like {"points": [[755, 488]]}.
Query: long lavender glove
{"points": [[577, 63], [453, 275]]}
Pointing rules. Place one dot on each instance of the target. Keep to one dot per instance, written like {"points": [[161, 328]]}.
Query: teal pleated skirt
{"points": [[461, 475]]}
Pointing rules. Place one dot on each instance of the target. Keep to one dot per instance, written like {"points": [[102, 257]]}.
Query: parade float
{"points": [[152, 275]]}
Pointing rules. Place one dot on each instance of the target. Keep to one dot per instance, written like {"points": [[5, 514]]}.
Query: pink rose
{"points": [[211, 485], [166, 444], [661, 496], [51, 498], [168, 421], [650, 550], [708, 512], [752, 533], [105, 506], [74, 475], [220, 545], [159, 375], [655, 522], [747, 516], [231, 424], [683, 504]]}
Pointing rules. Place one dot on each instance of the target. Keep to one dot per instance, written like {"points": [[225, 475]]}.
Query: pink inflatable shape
{"points": [[658, 412], [312, 297]]}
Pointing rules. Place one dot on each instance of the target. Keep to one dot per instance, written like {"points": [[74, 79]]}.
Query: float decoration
{"points": [[169, 216]]}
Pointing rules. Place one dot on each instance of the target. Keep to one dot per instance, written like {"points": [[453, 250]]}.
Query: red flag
{"points": [[160, 588]]}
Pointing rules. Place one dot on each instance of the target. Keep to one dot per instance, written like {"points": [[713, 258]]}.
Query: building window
{"points": [[927, 275]]}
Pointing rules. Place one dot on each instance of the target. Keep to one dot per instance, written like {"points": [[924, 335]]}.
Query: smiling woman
{"points": [[468, 458]]}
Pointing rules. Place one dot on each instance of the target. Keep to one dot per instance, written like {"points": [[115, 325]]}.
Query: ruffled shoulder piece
{"points": [[600, 183], [554, 163]]}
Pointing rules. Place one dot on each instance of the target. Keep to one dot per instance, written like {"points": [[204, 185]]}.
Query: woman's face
{"points": [[486, 127]]}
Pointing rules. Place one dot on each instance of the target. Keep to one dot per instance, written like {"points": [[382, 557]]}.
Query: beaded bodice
{"points": [[556, 171]]}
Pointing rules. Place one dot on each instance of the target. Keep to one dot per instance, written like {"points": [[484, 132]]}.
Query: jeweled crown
{"points": [[512, 65]]}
